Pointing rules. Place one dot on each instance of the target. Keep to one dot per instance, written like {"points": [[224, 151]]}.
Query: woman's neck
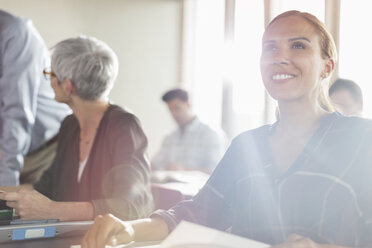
{"points": [[297, 119], [89, 113]]}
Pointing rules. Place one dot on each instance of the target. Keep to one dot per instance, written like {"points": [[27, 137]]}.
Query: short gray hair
{"points": [[89, 63]]}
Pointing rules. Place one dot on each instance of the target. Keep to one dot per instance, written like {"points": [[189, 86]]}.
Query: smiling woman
{"points": [[304, 181], [291, 55]]}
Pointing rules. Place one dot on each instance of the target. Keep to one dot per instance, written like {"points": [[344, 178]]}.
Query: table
{"points": [[66, 242], [63, 234], [187, 182]]}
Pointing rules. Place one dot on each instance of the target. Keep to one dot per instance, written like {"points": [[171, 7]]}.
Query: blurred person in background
{"points": [[347, 97], [193, 145]]}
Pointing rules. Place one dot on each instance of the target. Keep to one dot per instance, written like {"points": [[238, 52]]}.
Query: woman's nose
{"points": [[280, 57]]}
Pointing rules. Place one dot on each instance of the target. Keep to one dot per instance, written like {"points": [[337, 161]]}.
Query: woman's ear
{"points": [[329, 67], [68, 86]]}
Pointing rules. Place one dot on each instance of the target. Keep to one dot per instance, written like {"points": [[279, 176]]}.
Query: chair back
{"points": [[165, 198]]}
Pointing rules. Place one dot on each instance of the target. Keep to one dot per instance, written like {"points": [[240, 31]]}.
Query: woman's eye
{"points": [[269, 48], [298, 45]]}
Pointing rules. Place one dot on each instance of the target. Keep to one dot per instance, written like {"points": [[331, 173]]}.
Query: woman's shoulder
{"points": [[249, 134], [351, 123], [69, 120], [119, 116], [69, 127], [120, 113], [250, 142]]}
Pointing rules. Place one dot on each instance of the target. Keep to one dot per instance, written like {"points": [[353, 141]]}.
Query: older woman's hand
{"points": [[108, 230], [29, 204]]}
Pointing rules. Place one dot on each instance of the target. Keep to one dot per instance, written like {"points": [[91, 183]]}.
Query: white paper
{"points": [[154, 244], [191, 176]]}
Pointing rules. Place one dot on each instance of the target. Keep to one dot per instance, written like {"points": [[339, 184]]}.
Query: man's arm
{"points": [[161, 160], [22, 53]]}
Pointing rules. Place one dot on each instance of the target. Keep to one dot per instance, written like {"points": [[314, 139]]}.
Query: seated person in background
{"points": [[100, 165], [194, 145], [347, 97], [304, 181]]}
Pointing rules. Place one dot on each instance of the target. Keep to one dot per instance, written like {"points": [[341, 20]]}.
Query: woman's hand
{"points": [[108, 230], [29, 204], [297, 241]]}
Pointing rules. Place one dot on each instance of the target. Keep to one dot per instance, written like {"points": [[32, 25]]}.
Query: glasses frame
{"points": [[48, 74]]}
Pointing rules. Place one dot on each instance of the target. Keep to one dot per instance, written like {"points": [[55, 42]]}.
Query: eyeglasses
{"points": [[48, 74]]}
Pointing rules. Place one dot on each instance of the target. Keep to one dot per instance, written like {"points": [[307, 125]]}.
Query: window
{"points": [[204, 39], [354, 58], [248, 93], [315, 7], [222, 70]]}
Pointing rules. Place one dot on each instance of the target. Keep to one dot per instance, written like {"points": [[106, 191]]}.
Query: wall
{"points": [[145, 34]]}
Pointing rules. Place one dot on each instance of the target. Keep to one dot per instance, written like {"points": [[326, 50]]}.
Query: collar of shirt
{"points": [[194, 124]]}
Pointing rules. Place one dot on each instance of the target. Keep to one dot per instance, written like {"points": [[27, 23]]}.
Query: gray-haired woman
{"points": [[100, 165]]}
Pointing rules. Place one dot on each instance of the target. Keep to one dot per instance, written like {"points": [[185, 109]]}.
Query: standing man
{"points": [[29, 116], [194, 145]]}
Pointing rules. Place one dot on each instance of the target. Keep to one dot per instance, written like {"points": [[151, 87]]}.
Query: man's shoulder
{"points": [[7, 17], [207, 129], [172, 135], [12, 23]]}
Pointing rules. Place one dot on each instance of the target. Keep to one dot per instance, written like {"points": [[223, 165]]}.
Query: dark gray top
{"points": [[325, 195], [116, 178]]}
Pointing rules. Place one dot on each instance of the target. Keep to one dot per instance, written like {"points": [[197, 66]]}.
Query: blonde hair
{"points": [[327, 45]]}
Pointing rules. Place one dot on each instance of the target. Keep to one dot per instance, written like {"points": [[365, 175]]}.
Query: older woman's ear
{"points": [[68, 86]]}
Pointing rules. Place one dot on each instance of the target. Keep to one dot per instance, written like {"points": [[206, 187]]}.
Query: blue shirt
{"points": [[29, 115], [197, 146], [325, 195]]}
